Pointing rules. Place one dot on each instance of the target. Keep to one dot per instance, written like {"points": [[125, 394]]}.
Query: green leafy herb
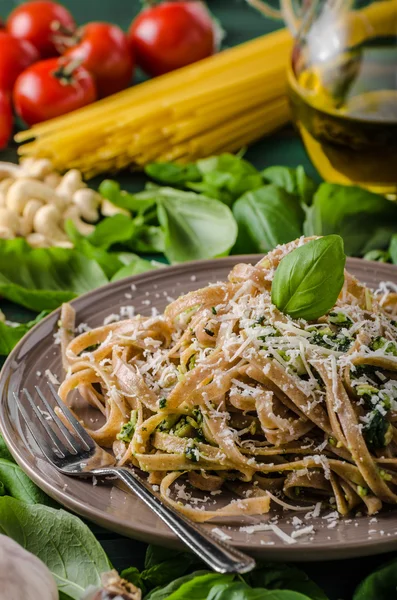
{"points": [[293, 181], [112, 230], [138, 203], [162, 402], [280, 576], [11, 334], [352, 212], [127, 430], [378, 432], [19, 486], [192, 452], [4, 451], [173, 174], [136, 266], [44, 278], [60, 540], [309, 279], [266, 217], [380, 585], [377, 255], [393, 249], [194, 227]]}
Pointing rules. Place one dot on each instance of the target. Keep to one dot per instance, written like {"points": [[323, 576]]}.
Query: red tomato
{"points": [[172, 35], [39, 21], [15, 57], [5, 119], [104, 50], [51, 88]]}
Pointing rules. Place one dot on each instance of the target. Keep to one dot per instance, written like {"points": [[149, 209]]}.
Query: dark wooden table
{"points": [[337, 578]]}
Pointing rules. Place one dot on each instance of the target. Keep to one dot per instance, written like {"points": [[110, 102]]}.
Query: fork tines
{"points": [[67, 435]]}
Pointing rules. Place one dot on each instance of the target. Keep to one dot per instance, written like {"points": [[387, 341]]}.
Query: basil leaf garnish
{"points": [[308, 280]]}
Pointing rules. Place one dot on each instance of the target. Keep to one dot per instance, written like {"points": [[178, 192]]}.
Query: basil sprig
{"points": [[309, 279]]}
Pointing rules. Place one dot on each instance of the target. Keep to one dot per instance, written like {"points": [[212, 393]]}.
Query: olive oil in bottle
{"points": [[346, 112]]}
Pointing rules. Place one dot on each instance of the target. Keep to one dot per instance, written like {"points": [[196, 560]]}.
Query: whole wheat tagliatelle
{"points": [[224, 392]]}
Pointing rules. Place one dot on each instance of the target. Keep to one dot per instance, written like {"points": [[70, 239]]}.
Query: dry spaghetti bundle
{"points": [[219, 104]]}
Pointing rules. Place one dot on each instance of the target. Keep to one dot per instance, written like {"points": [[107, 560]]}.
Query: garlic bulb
{"points": [[113, 588], [23, 575]]}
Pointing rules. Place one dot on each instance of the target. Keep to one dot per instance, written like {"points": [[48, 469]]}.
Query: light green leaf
{"points": [[11, 334], [194, 227], [135, 266], [61, 540], [351, 212], [112, 230], [266, 217], [44, 278], [19, 486], [309, 279]]}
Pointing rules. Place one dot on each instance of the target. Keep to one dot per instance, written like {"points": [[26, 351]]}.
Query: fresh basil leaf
{"points": [[19, 486], [278, 576], [139, 203], [351, 212], [11, 334], [194, 227], [226, 177], [266, 217], [108, 261], [148, 239], [134, 267], [241, 591], [393, 249], [173, 174], [382, 256], [198, 587], [293, 181], [112, 230], [161, 570], [308, 280], [174, 586], [61, 540], [4, 451], [380, 585], [44, 278]]}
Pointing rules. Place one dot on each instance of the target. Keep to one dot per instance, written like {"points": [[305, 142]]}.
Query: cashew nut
{"points": [[10, 220], [5, 185], [23, 190], [53, 180], [9, 170], [73, 214], [61, 243], [108, 209], [37, 240], [28, 214], [87, 201], [47, 222], [36, 168], [71, 182]]}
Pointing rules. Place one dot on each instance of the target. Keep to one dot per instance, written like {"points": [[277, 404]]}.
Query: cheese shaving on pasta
{"points": [[225, 392]]}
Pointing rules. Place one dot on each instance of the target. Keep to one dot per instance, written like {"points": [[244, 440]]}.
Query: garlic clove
{"points": [[23, 575]]}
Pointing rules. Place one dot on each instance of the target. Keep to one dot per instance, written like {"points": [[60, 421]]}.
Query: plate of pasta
{"points": [[257, 395]]}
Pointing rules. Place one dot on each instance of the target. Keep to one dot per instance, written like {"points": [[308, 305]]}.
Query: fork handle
{"points": [[219, 556]]}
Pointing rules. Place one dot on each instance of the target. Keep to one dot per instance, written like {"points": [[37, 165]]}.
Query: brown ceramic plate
{"points": [[110, 506]]}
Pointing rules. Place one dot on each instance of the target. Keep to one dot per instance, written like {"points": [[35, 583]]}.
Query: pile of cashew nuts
{"points": [[36, 201]]}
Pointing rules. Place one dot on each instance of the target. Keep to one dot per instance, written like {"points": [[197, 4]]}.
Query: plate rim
{"points": [[110, 521]]}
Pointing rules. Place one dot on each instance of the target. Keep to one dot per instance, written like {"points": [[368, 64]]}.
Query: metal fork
{"points": [[73, 452]]}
